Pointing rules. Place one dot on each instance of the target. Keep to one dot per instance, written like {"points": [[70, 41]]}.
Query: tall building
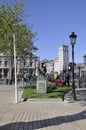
{"points": [[56, 64], [63, 58]]}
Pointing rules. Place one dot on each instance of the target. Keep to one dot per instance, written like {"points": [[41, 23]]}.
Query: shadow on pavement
{"points": [[80, 95], [33, 125]]}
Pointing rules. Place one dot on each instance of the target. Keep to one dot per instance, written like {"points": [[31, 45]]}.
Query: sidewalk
{"points": [[7, 92], [80, 95], [43, 114]]}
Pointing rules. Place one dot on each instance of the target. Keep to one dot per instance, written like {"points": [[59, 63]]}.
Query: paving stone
{"points": [[42, 114]]}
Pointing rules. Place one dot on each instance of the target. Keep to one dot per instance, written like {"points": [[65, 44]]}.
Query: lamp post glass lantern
{"points": [[73, 38], [73, 42]]}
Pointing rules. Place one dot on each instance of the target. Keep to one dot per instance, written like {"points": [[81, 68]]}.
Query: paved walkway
{"points": [[41, 114]]}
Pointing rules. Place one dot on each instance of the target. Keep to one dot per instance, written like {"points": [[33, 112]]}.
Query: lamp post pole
{"points": [[16, 91], [68, 75], [73, 41], [85, 69], [79, 75]]}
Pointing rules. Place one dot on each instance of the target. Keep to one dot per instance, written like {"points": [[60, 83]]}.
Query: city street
{"points": [[41, 114]]}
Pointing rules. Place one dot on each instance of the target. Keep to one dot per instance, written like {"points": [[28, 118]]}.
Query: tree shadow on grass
{"points": [[33, 125]]}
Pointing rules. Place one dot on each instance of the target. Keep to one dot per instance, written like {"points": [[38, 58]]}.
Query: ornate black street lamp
{"points": [[85, 68], [73, 42]]}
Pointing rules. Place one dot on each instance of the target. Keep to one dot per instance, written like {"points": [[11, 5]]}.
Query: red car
{"points": [[58, 82]]}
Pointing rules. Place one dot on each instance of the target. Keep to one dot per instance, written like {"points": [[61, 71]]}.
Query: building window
{"points": [[6, 63], [30, 63]]}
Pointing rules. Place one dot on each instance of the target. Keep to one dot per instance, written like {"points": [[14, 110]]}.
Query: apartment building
{"points": [[6, 66], [49, 65], [56, 64], [27, 64], [63, 58], [59, 63]]}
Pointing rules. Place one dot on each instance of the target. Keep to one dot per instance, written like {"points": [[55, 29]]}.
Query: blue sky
{"points": [[54, 20]]}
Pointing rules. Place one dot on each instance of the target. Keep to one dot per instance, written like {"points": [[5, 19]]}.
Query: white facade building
{"points": [[27, 64], [50, 66], [63, 58], [56, 64]]}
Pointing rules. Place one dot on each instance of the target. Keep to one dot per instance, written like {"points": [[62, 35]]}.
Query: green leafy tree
{"points": [[12, 21]]}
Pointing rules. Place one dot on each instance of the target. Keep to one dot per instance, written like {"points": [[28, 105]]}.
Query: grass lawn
{"points": [[31, 92]]}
